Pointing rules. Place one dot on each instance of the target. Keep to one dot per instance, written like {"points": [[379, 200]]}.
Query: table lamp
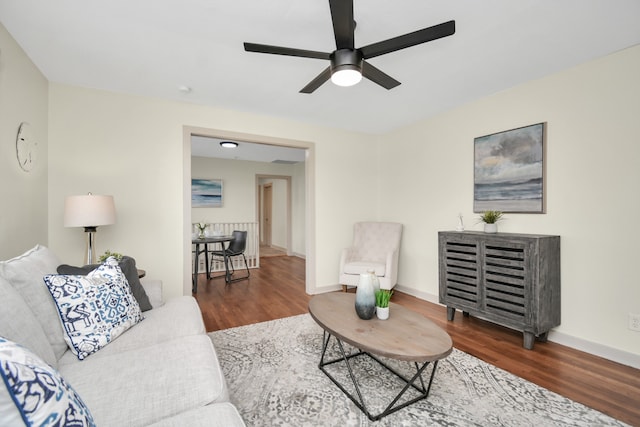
{"points": [[89, 211]]}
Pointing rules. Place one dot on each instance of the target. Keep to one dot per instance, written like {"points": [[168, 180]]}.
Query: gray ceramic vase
{"points": [[366, 296]]}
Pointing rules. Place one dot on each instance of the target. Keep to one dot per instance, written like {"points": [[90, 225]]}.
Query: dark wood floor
{"points": [[276, 290]]}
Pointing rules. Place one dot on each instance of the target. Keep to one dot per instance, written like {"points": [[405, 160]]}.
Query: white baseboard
{"points": [[609, 353], [419, 294]]}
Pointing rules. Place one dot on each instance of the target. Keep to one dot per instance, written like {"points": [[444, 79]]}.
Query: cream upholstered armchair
{"points": [[376, 246]]}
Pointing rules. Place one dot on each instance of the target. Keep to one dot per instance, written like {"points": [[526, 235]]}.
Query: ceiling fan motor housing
{"points": [[346, 59]]}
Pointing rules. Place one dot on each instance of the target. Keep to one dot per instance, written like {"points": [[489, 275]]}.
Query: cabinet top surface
{"points": [[501, 235]]}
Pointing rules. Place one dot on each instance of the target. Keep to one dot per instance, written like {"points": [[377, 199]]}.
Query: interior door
{"points": [[267, 195]]}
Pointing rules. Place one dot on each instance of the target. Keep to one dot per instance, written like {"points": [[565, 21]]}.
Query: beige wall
{"points": [[593, 188], [133, 148], [298, 208], [23, 196]]}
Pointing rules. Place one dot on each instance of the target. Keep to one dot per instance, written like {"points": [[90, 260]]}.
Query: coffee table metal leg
{"points": [[359, 401]]}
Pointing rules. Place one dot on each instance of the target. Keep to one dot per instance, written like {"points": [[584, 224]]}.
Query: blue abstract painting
{"points": [[206, 193], [508, 171]]}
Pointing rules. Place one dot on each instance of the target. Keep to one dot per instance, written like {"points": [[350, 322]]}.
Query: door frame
{"points": [[310, 197], [289, 226], [265, 206]]}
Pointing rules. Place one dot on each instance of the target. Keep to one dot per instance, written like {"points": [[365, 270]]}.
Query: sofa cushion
{"points": [[33, 393], [143, 386], [153, 289], [95, 309], [179, 317], [128, 266], [25, 274], [19, 324], [214, 415]]}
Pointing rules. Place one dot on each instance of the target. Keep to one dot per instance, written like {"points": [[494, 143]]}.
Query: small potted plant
{"points": [[490, 219], [108, 254], [382, 303]]}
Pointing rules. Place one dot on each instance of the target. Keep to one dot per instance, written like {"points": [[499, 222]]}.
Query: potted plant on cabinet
{"points": [[382, 303], [490, 220]]}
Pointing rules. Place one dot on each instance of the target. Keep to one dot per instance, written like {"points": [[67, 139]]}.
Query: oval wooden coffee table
{"points": [[405, 336]]}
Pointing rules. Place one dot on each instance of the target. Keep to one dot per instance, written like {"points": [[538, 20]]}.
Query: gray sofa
{"points": [[163, 371]]}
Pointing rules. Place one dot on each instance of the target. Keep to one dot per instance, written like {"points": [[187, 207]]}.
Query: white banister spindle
{"points": [[252, 251]]}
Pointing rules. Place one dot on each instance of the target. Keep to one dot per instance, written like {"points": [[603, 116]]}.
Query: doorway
{"points": [[275, 213], [306, 224]]}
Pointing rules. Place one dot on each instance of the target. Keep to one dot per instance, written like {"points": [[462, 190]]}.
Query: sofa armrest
{"points": [[153, 289]]}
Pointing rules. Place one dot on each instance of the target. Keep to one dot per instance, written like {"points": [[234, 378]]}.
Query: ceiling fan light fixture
{"points": [[228, 144], [346, 76], [346, 67]]}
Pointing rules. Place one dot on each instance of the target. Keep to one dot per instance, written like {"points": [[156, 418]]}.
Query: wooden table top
{"points": [[406, 335]]}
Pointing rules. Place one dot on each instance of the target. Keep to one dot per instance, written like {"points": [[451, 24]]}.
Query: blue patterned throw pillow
{"points": [[94, 309], [35, 393]]}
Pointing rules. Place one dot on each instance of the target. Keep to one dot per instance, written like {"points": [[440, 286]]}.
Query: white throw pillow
{"points": [[94, 309], [33, 393], [25, 273], [18, 323]]}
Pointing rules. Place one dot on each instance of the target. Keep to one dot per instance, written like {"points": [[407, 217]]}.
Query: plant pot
{"points": [[491, 228], [382, 313]]}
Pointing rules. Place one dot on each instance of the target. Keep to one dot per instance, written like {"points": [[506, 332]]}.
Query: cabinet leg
{"points": [[465, 313], [451, 312], [529, 339]]}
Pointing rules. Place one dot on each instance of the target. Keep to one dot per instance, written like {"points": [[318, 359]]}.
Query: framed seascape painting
{"points": [[206, 193], [509, 170]]}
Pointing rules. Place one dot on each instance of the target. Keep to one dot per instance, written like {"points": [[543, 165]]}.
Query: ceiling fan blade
{"points": [[318, 81], [288, 51], [377, 76], [411, 39], [343, 23]]}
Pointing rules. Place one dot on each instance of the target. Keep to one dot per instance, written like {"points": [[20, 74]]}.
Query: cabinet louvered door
{"points": [[505, 280], [462, 274]]}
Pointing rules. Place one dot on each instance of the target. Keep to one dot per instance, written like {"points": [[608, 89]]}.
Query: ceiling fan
{"points": [[349, 64]]}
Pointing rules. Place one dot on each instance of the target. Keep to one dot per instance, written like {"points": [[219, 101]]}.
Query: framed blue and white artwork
{"points": [[206, 193], [509, 171]]}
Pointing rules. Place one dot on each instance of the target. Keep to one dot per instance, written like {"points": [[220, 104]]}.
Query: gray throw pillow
{"points": [[128, 267]]}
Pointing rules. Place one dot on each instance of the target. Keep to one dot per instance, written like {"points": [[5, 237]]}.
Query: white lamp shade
{"points": [[89, 211]]}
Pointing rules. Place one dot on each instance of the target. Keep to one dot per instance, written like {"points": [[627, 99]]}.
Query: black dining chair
{"points": [[236, 248]]}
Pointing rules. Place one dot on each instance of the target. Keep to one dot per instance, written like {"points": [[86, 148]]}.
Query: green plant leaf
{"points": [[107, 254], [491, 217], [382, 297]]}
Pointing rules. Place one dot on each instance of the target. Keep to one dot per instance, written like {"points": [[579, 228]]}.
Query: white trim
{"points": [[418, 294], [609, 353], [596, 349]]}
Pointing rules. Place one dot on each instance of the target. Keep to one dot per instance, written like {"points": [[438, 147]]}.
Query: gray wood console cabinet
{"points": [[509, 279]]}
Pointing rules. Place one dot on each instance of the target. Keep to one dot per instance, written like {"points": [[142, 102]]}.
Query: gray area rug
{"points": [[273, 378]]}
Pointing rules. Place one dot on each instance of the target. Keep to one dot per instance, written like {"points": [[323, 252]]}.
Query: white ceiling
{"points": [[152, 47]]}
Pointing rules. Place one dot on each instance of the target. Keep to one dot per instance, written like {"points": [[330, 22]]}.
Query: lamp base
{"points": [[90, 257]]}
